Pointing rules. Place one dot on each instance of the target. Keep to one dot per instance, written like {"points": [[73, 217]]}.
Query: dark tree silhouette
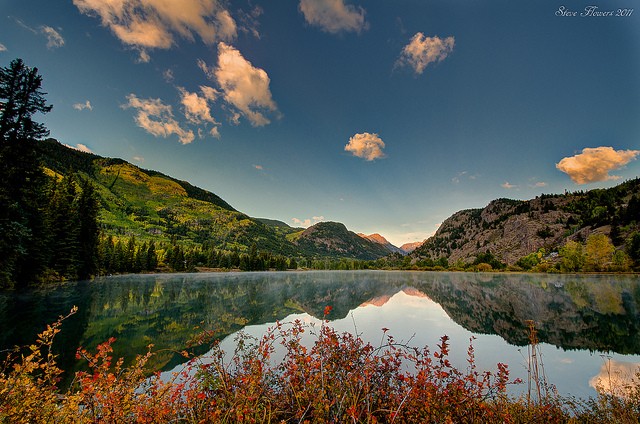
{"points": [[22, 241]]}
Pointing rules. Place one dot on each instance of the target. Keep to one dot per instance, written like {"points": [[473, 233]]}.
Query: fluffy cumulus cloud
{"points": [[594, 164], [423, 51], [333, 16], [80, 147], [244, 87], [83, 106], [151, 24], [157, 119], [307, 222], [54, 39], [508, 185], [196, 108], [367, 146]]}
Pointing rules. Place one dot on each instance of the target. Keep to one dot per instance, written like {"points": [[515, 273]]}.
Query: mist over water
{"points": [[582, 321]]}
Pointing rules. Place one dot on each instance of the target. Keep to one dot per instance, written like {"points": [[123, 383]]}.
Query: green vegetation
{"points": [[339, 378], [73, 215], [48, 227]]}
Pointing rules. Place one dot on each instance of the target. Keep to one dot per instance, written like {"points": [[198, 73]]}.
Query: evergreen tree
{"points": [[22, 232], [88, 231], [634, 249], [63, 228], [152, 258], [292, 264]]}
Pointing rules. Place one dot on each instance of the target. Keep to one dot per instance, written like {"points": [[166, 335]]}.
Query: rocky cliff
{"points": [[512, 229]]}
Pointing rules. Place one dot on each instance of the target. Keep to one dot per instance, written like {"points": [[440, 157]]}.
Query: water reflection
{"points": [[616, 376], [583, 313]]}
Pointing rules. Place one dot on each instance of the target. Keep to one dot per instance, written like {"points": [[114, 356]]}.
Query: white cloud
{"points": [[83, 106], [616, 378], [333, 16], [2, 48], [464, 175], [215, 132], [307, 222], [150, 24], [594, 164], [367, 146], [540, 184], [249, 21], [258, 167], [168, 75], [456, 179], [138, 158], [422, 51], [196, 108], [244, 87], [209, 93], [54, 39], [157, 118], [81, 147], [508, 185]]}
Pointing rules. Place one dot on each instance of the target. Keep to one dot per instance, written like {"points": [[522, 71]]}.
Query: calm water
{"points": [[583, 321]]}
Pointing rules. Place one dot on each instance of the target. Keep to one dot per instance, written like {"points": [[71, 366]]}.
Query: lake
{"points": [[584, 322]]}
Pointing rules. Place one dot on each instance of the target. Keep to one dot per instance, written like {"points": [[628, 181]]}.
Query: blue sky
{"points": [[388, 116]]}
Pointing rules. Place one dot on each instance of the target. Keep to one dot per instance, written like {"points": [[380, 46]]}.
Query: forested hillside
{"points": [[152, 206], [67, 214], [508, 231]]}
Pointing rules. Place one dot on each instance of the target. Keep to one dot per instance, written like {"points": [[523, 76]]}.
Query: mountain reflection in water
{"points": [[585, 314]]}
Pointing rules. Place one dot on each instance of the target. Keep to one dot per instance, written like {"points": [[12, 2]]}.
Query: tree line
{"points": [[127, 255], [48, 223], [49, 228]]}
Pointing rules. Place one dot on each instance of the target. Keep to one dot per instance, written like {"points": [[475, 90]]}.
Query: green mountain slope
{"points": [[512, 229], [153, 206], [333, 239], [150, 205]]}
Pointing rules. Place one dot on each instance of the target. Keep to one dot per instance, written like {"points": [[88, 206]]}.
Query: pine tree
{"points": [[152, 257], [22, 232], [88, 231], [62, 221]]}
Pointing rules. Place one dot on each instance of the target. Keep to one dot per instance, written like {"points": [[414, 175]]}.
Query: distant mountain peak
{"points": [[378, 239], [410, 247], [334, 239]]}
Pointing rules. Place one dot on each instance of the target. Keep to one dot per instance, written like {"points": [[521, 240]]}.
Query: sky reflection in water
{"points": [[417, 320]]}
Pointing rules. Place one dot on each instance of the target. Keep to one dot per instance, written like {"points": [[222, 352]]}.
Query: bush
{"points": [[338, 378]]}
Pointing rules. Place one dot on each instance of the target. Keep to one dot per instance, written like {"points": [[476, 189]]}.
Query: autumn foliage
{"points": [[336, 378]]}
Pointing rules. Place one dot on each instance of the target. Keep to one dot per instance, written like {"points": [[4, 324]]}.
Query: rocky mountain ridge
{"points": [[410, 247], [334, 239], [512, 229], [377, 238]]}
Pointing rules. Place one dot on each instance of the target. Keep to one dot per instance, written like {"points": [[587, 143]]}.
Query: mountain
{"points": [[333, 239], [153, 206], [377, 238], [512, 229], [274, 223], [410, 247]]}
